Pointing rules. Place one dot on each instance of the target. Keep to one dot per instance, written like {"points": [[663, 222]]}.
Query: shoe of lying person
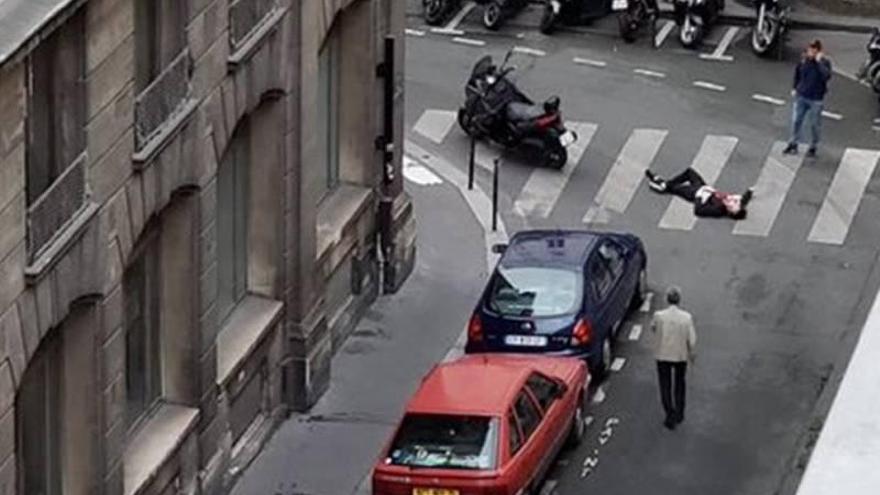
{"points": [[747, 196], [655, 182]]}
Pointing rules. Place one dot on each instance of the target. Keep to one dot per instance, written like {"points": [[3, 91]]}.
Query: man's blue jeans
{"points": [[803, 109]]}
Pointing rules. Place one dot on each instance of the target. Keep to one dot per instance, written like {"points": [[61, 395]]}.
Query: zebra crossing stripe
{"points": [[710, 160], [844, 195], [539, 195], [435, 124], [626, 174], [773, 184]]}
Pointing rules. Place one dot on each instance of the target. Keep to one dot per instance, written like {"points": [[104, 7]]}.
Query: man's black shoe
{"points": [[747, 196], [811, 153], [669, 424], [791, 149]]}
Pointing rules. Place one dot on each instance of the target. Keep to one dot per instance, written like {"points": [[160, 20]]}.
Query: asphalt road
{"points": [[776, 306]]}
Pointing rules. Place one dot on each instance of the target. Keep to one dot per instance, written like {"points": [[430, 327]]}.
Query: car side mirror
{"points": [[499, 248]]}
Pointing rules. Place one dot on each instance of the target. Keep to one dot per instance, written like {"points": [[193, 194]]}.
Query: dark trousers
{"points": [[685, 185], [671, 376]]}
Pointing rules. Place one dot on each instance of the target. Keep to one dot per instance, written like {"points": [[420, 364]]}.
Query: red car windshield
{"points": [[445, 442]]}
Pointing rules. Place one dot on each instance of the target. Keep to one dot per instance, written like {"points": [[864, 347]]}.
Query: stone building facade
{"points": [[194, 212]]}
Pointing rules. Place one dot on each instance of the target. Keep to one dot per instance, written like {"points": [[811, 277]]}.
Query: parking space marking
{"points": [[772, 187], [415, 32], [722, 47], [590, 62], [465, 10], [600, 396], [450, 32], [709, 161], [831, 115], [529, 51], [709, 86], [768, 99], [468, 41], [618, 363], [664, 32], [549, 487], [650, 73], [844, 195], [875, 128], [635, 332], [435, 124], [646, 304]]}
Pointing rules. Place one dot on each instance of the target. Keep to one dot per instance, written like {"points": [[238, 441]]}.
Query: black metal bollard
{"points": [[495, 194], [471, 163]]}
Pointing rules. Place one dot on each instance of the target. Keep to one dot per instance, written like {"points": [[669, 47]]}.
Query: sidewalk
{"points": [[331, 450]]}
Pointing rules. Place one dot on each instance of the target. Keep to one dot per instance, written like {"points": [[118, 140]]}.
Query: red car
{"points": [[485, 425]]}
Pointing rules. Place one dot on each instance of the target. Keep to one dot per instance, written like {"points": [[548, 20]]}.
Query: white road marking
{"points": [[722, 47], [646, 304], [650, 73], [418, 174], [539, 195], [590, 62], [468, 41], [590, 463], [549, 487], [485, 156], [450, 32], [599, 397], [844, 195], [722, 58], [768, 99], [529, 51], [776, 178], [875, 128], [709, 161], [664, 32], [588, 421], [635, 332], [618, 364], [877, 121], [435, 124], [831, 115], [710, 86], [625, 175], [415, 32], [455, 21]]}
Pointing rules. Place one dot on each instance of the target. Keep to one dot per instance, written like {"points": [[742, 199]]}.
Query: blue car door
{"points": [[601, 284], [612, 256]]}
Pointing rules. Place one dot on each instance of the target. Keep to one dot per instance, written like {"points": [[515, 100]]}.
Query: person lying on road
{"points": [[708, 202]]}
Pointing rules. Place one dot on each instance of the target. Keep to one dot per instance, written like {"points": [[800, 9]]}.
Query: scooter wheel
{"points": [[548, 20], [625, 24], [492, 16], [556, 157], [434, 11]]}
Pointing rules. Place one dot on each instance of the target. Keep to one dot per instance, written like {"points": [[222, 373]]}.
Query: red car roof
{"points": [[479, 384]]}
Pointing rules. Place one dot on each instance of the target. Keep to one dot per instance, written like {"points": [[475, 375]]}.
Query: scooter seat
{"points": [[517, 112]]}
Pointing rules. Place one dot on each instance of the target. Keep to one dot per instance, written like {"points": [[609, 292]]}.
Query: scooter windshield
{"points": [[483, 67]]}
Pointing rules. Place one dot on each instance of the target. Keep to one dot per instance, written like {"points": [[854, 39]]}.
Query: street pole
{"points": [[495, 195], [471, 163], [385, 144]]}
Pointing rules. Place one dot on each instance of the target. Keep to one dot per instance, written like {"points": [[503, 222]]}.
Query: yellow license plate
{"points": [[434, 491]]}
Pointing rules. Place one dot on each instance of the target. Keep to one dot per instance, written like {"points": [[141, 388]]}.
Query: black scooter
{"points": [[496, 109], [870, 71], [436, 11], [695, 17], [557, 12], [495, 12], [633, 15], [771, 28]]}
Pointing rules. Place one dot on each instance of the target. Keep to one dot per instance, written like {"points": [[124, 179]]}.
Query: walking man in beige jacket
{"points": [[675, 346]]}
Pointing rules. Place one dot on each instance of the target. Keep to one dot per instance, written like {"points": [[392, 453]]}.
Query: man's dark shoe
{"points": [[791, 149], [811, 153], [747, 196], [669, 424]]}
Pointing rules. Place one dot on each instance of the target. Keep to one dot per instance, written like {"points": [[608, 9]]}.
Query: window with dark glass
{"points": [[232, 214], [600, 277], [142, 326], [515, 439], [38, 414], [160, 36], [543, 389], [527, 413], [611, 253], [329, 61]]}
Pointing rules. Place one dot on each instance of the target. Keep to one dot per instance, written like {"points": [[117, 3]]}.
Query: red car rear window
{"points": [[445, 442]]}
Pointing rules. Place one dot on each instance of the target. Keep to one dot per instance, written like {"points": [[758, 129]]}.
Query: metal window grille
{"points": [[245, 16], [58, 205], [159, 101]]}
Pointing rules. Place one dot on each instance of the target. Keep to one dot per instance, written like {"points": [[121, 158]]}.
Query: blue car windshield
{"points": [[535, 291], [445, 442]]}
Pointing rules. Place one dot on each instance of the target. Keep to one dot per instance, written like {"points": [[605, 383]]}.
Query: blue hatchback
{"points": [[560, 293]]}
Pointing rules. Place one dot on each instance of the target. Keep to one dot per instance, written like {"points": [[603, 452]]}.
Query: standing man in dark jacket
{"points": [[811, 78]]}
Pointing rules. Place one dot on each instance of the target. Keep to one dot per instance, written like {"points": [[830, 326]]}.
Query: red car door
{"points": [[528, 461]]}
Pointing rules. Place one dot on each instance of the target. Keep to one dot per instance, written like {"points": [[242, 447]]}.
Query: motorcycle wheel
{"points": [[434, 10], [627, 29], [555, 157], [466, 122], [548, 20], [492, 16], [764, 43], [690, 34]]}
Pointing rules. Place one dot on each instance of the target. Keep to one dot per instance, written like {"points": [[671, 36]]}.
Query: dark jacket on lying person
{"points": [[707, 201]]}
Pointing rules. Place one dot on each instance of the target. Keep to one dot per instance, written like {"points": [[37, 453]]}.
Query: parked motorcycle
{"points": [[571, 11], [695, 17], [495, 12], [870, 71], [495, 108], [771, 27], [633, 15], [436, 11]]}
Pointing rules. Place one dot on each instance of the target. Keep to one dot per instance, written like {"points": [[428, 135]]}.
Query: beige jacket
{"points": [[676, 337]]}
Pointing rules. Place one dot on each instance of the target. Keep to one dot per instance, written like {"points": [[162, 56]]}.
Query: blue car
{"points": [[560, 293]]}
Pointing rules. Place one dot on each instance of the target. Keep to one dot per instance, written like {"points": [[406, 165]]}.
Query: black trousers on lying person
{"points": [[685, 185], [672, 383]]}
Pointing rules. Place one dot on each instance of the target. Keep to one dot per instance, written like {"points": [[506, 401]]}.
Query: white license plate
{"points": [[526, 340], [567, 138], [619, 4]]}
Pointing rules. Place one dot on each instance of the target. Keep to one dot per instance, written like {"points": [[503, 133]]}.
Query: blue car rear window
{"points": [[534, 291]]}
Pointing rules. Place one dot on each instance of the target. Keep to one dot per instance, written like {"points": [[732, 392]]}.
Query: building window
{"points": [[245, 16], [329, 61], [55, 182], [232, 213], [38, 411], [142, 326]]}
